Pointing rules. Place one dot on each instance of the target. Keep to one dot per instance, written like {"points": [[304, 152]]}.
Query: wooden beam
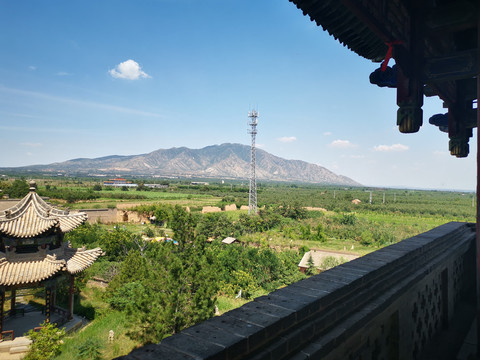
{"points": [[455, 16], [459, 65]]}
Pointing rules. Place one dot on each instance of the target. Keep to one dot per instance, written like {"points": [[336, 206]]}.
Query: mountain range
{"points": [[225, 161]]}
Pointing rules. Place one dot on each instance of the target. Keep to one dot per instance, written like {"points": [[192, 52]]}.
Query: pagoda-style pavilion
{"points": [[32, 252]]}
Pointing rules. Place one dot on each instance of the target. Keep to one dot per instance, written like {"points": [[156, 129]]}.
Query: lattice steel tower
{"points": [[252, 198]]}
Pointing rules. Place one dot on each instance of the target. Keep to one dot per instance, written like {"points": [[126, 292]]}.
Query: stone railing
{"points": [[390, 304]]}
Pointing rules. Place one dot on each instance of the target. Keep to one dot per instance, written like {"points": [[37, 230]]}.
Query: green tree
{"points": [[86, 234], [18, 189], [171, 286], [117, 243], [45, 343], [311, 269], [215, 225], [320, 233]]}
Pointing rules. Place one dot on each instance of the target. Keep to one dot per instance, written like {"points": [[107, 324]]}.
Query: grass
{"points": [[225, 303], [99, 328]]}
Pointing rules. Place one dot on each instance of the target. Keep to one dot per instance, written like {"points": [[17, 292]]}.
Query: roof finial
{"points": [[33, 185]]}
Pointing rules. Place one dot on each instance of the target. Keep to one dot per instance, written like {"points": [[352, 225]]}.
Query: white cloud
{"points": [[342, 144], [327, 133], [65, 100], [62, 73], [32, 68], [356, 156], [287, 139], [128, 70], [394, 147]]}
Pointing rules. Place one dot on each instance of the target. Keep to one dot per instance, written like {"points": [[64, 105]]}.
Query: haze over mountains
{"points": [[226, 161]]}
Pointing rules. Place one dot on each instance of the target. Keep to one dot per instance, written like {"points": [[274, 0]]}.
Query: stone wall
{"points": [[231, 207], [389, 304], [104, 216], [210, 209]]}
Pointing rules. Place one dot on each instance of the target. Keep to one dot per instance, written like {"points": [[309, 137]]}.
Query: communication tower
{"points": [[252, 197]]}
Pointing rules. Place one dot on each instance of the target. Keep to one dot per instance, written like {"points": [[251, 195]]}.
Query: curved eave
{"points": [[79, 259], [24, 269], [27, 223], [32, 216], [28, 272], [72, 221], [335, 18]]}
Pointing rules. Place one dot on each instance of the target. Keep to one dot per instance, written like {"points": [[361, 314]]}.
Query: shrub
{"points": [[90, 349], [45, 343], [347, 219], [329, 262]]}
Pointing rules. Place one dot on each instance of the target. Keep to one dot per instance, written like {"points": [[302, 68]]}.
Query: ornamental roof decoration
{"points": [[32, 216], [20, 269]]}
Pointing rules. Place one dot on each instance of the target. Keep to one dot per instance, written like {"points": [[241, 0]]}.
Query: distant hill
{"points": [[226, 161]]}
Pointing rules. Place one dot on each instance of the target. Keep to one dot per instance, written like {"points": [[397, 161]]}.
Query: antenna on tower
{"points": [[252, 196]]}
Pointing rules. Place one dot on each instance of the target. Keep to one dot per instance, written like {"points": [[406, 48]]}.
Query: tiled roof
{"points": [[32, 216], [17, 269], [336, 18], [79, 259]]}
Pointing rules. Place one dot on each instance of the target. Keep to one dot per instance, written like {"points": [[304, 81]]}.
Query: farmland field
{"points": [[292, 220]]}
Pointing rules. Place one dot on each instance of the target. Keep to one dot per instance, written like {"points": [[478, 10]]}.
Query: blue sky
{"points": [[96, 78]]}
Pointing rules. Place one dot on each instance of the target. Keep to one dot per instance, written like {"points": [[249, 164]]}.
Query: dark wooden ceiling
{"points": [[434, 45]]}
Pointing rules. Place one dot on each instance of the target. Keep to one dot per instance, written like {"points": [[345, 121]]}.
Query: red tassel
{"points": [[388, 56]]}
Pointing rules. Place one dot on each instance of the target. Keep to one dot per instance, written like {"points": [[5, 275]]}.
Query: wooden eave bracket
{"points": [[459, 65]]}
